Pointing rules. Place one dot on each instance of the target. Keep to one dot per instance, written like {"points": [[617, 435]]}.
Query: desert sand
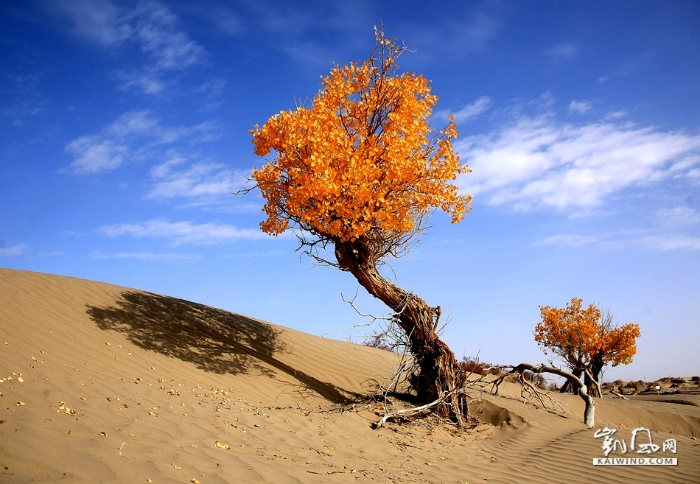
{"points": [[101, 383]]}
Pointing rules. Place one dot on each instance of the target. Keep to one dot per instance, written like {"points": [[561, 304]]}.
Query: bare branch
{"points": [[413, 411], [589, 412]]}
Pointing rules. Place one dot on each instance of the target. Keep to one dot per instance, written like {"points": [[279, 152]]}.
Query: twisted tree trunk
{"points": [[439, 370]]}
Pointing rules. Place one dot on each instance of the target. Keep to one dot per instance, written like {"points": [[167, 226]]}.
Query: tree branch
{"points": [[589, 411]]}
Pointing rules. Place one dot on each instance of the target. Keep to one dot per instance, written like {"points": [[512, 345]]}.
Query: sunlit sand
{"points": [[102, 383]]}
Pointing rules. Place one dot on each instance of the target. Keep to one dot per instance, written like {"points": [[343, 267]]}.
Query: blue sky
{"points": [[124, 128]]}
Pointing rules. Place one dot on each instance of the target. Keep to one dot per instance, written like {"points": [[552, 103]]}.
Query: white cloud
{"points": [[615, 115], [93, 155], [183, 232], [149, 24], [580, 106], [133, 136], [537, 162], [14, 251], [148, 256], [201, 181], [156, 30], [471, 110]]}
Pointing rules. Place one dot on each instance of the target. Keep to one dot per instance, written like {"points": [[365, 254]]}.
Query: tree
{"points": [[359, 172], [586, 340]]}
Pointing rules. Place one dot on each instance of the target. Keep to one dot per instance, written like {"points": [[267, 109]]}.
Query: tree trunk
{"points": [[593, 381], [439, 370]]}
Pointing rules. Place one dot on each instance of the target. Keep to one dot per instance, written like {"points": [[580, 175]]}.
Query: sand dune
{"points": [[102, 383]]}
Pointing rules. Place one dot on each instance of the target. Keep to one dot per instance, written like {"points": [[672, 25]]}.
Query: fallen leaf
{"points": [[20, 379], [220, 445], [195, 481], [20, 404]]}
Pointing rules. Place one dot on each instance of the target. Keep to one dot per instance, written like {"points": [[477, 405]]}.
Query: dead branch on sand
{"points": [[588, 413], [446, 399]]}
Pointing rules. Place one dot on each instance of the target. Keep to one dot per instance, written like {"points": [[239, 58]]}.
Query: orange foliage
{"points": [[361, 158], [580, 335]]}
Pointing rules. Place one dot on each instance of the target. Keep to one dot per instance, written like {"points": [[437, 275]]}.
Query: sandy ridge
{"points": [[120, 385]]}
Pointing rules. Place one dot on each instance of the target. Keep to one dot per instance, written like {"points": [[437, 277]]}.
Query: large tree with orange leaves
{"points": [[360, 171], [585, 339]]}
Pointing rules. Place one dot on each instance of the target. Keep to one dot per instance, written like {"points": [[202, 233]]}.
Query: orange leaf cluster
{"points": [[361, 157], [578, 335]]}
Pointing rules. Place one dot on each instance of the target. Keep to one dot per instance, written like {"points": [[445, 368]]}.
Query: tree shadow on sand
{"points": [[214, 340]]}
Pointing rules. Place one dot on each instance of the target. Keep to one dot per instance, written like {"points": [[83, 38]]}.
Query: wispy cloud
{"points": [[97, 20], [475, 33], [471, 110], [149, 24], [570, 240], [14, 251], [293, 30], [580, 107], [148, 256], [133, 136], [200, 182], [677, 217], [147, 81], [694, 175], [464, 34], [22, 98], [663, 233], [655, 242], [667, 242], [564, 50], [538, 162], [183, 232]]}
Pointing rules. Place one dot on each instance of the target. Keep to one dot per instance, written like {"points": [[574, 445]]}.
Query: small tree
{"points": [[359, 172], [586, 340]]}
